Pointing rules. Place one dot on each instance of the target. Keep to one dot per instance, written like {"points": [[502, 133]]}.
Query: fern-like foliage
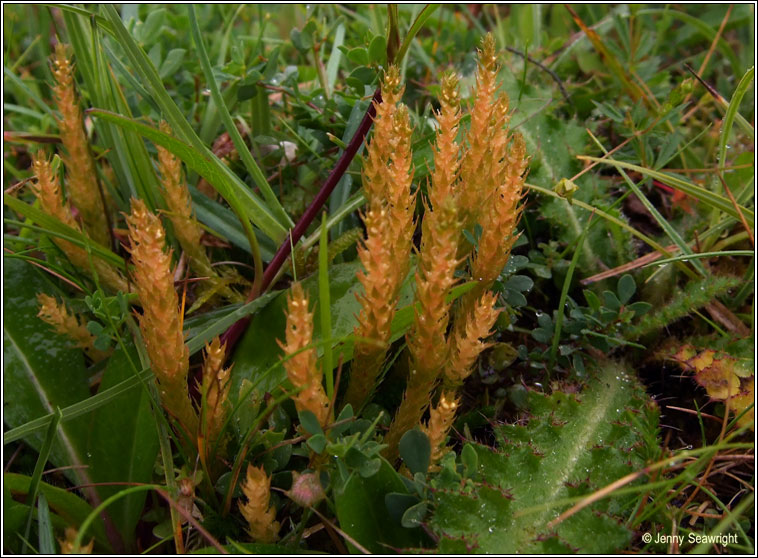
{"points": [[571, 445]]}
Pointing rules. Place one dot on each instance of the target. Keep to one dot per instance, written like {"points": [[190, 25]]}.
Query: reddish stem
{"points": [[233, 334]]}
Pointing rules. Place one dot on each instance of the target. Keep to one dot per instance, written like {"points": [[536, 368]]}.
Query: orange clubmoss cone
{"points": [[440, 420], [501, 217], [160, 322], [465, 341], [65, 323], [486, 138], [301, 367], [67, 543], [377, 307], [214, 394], [435, 276], [48, 191], [186, 228], [385, 254], [261, 518], [81, 176]]}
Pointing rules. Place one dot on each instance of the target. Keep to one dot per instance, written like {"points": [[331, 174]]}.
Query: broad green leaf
{"points": [[123, 443], [415, 451], [63, 503], [364, 516], [571, 446], [41, 370]]}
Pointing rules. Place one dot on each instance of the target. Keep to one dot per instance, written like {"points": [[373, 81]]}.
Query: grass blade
{"points": [[44, 455], [564, 295], [59, 230], [45, 526], [418, 23], [731, 112], [252, 167], [701, 194], [248, 205]]}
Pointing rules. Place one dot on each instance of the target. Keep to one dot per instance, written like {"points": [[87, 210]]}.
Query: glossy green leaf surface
{"points": [[364, 516], [123, 442], [42, 369]]}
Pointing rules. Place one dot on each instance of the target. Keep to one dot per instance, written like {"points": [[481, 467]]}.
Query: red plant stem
{"points": [[235, 331]]}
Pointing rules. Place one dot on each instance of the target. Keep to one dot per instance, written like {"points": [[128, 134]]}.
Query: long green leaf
{"points": [[249, 203], [252, 167], [701, 194], [731, 112], [41, 371], [419, 22], [59, 230], [77, 409]]}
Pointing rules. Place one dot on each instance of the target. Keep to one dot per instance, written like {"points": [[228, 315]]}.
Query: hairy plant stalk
{"points": [[261, 517], [65, 323], [214, 392], [161, 321], [437, 427], [48, 191], [81, 176], [385, 253], [436, 272], [302, 369]]}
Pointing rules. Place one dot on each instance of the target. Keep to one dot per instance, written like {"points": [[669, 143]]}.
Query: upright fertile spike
{"points": [[476, 167], [179, 202], [440, 420], [436, 273], [81, 176], [387, 177], [160, 322], [301, 367], [215, 392], [465, 341], [261, 523], [48, 192], [501, 216]]}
